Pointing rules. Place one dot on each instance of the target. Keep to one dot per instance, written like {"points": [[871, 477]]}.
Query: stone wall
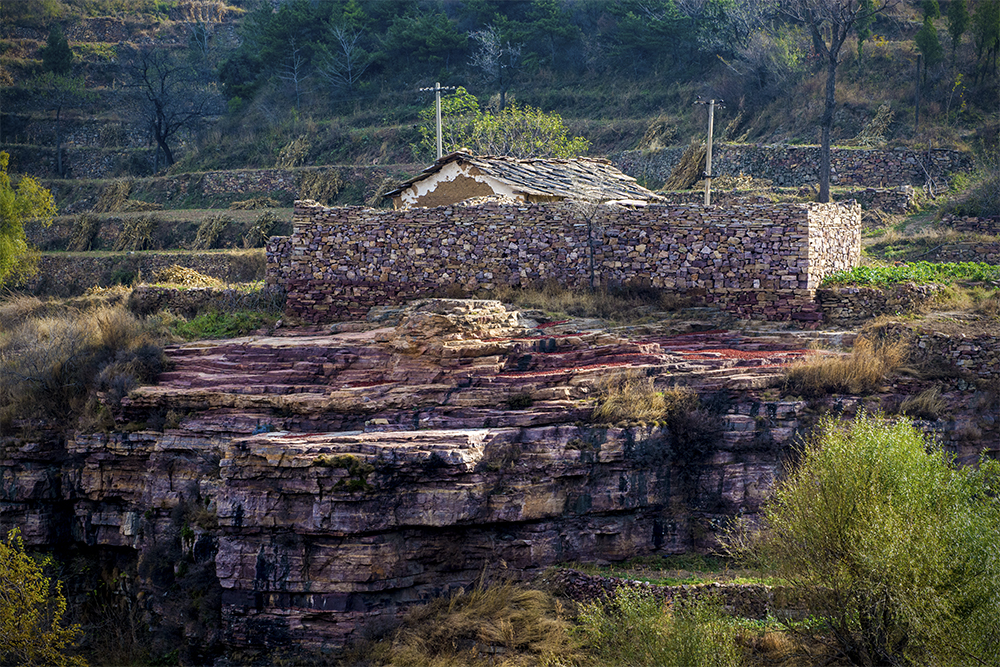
{"points": [[753, 260], [966, 251], [66, 275], [890, 200], [964, 223], [974, 354], [799, 165], [853, 305]]}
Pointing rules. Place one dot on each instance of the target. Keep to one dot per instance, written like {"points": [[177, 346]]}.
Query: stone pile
{"points": [[755, 260]]}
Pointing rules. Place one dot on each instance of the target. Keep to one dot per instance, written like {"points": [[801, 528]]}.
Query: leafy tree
{"points": [[929, 45], [57, 92], [516, 131], [430, 38], [459, 112], [829, 22], [57, 57], [864, 29], [31, 611], [551, 31], [29, 201], [893, 546], [958, 23], [931, 9], [648, 34], [986, 32], [267, 33]]}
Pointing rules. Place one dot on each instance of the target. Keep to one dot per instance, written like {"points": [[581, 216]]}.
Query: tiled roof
{"points": [[579, 178]]}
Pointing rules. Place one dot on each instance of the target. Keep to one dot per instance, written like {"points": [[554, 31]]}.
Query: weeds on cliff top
{"points": [[499, 624], [53, 364], [634, 628], [218, 324], [625, 304], [631, 397], [863, 372]]}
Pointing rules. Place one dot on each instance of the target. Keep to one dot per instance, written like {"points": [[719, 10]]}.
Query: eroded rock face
{"points": [[316, 482]]}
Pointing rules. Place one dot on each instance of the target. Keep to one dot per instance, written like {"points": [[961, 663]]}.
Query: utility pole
{"points": [[708, 148], [437, 99]]}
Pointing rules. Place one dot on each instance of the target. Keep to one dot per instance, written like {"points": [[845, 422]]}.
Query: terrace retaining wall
{"points": [[755, 260], [799, 165]]}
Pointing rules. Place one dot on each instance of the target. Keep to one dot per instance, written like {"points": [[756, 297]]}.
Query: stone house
{"points": [[461, 176]]}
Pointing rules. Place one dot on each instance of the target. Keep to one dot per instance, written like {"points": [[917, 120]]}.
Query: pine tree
{"points": [[57, 57], [929, 45], [958, 23]]}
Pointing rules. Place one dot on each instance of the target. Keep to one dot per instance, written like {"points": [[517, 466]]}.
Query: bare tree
{"points": [[169, 95], [294, 71], [346, 63], [498, 60], [829, 22]]}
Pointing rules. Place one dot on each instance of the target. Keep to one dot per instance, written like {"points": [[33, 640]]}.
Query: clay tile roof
{"points": [[578, 178]]}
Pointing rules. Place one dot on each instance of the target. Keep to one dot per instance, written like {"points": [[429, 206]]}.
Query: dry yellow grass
{"points": [[928, 405], [631, 397], [864, 371], [179, 275], [503, 625]]}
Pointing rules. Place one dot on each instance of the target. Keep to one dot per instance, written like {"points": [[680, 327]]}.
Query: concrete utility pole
{"points": [[437, 98], [708, 148]]}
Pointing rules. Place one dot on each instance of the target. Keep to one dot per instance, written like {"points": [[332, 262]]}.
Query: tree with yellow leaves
{"points": [[27, 202], [31, 611]]}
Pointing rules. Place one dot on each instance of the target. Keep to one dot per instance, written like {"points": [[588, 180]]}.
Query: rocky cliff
{"points": [[296, 488]]}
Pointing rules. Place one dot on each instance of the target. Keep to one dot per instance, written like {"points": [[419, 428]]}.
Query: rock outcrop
{"points": [[296, 487]]}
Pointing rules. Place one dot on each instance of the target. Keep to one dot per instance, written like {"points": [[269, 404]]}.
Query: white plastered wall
{"points": [[450, 172]]}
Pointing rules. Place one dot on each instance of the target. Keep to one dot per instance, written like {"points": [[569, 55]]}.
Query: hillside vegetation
{"points": [[193, 85]]}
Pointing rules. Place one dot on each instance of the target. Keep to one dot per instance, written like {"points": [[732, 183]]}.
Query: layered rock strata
{"points": [[297, 488]]}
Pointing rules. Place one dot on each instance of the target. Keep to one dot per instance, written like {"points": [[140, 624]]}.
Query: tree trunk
{"points": [[161, 141], [59, 164], [827, 126]]}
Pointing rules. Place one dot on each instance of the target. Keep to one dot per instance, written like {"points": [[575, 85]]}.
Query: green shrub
{"points": [[217, 324], [915, 272], [634, 628], [892, 544]]}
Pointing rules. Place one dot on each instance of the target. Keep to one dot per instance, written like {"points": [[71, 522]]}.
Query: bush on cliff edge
{"points": [[894, 545]]}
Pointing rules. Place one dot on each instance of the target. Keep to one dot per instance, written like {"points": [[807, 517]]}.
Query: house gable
{"points": [[454, 182]]}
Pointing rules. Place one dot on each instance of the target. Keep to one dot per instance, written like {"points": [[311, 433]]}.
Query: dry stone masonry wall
{"points": [[755, 260], [799, 165]]}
